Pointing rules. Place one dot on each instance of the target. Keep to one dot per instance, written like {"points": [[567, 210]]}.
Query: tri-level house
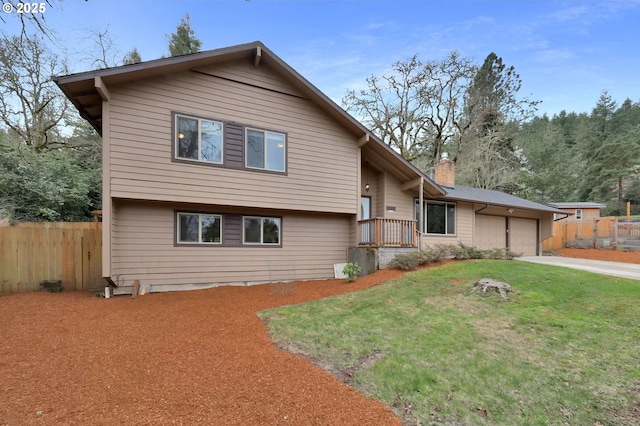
{"points": [[228, 167]]}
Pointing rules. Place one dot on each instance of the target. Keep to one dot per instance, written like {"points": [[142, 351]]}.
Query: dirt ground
{"points": [[199, 357]]}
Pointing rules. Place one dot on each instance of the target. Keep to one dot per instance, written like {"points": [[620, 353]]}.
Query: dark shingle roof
{"points": [[494, 198]]}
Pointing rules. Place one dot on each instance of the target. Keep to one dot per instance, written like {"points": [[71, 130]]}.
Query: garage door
{"points": [[491, 232], [524, 236]]}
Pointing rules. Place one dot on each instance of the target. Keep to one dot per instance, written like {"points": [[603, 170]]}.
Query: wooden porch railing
{"points": [[382, 232]]}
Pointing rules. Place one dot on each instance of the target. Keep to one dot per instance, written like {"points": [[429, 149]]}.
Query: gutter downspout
{"points": [[486, 205], [562, 218]]}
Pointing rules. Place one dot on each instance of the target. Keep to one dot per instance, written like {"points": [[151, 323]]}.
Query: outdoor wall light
{"points": [[367, 186]]}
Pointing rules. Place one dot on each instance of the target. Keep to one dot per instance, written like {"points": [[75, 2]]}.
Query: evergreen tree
{"points": [[493, 115], [133, 57], [44, 186], [184, 41], [549, 166]]}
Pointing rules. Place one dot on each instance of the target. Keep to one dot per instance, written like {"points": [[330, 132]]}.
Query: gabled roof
{"points": [[578, 205], [495, 198], [87, 90]]}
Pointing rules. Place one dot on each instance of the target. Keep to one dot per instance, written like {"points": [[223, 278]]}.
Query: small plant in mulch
{"points": [[352, 271]]}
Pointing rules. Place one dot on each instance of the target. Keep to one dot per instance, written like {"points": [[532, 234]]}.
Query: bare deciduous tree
{"points": [[107, 54], [30, 104], [417, 107], [484, 165], [30, 14]]}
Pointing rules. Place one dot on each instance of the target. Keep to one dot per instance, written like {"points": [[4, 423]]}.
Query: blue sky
{"points": [[566, 52]]}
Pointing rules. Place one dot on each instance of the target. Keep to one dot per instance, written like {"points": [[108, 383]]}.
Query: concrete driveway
{"points": [[616, 269]]}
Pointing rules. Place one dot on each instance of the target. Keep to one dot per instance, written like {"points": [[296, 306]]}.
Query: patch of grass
{"points": [[565, 350]]}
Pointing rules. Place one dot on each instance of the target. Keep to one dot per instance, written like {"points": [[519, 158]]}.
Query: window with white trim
{"points": [[265, 150], [440, 217], [199, 228], [579, 214], [198, 139], [261, 230]]}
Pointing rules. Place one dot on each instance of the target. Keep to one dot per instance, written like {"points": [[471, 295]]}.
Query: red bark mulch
{"points": [[197, 357], [610, 255]]}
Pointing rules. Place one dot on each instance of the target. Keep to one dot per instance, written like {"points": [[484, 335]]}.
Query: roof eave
{"points": [[543, 209]]}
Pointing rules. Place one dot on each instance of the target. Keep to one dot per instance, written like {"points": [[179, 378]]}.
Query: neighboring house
{"points": [[579, 210], [228, 167]]}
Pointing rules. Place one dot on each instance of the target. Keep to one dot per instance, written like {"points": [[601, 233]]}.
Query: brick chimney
{"points": [[444, 172]]}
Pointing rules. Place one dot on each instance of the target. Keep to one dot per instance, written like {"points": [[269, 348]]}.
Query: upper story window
{"points": [[195, 228], [261, 230], [579, 214], [265, 150], [198, 139]]}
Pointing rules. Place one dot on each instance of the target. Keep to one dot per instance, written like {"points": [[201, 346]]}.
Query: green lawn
{"points": [[564, 350]]}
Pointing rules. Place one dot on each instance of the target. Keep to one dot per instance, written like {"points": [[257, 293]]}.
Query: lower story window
{"points": [[198, 228], [261, 230], [440, 218]]}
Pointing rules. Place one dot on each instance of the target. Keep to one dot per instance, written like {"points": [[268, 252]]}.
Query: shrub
{"points": [[510, 255], [495, 254], [409, 261]]}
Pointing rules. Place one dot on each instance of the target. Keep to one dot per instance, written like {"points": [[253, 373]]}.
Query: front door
{"points": [[365, 207]]}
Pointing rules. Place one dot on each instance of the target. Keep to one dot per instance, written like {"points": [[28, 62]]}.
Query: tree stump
{"points": [[487, 284]]}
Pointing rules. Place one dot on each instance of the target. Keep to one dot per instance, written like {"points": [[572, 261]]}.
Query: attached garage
{"points": [[523, 235], [492, 219], [490, 232], [519, 235]]}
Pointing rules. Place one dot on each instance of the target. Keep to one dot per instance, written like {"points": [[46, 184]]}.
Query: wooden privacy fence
{"points": [[31, 252], [588, 233]]}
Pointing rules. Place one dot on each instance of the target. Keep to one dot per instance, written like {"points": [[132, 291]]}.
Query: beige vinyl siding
{"points": [[546, 226], [322, 157], [403, 201], [245, 72], [368, 175], [464, 228], [380, 193], [144, 249]]}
